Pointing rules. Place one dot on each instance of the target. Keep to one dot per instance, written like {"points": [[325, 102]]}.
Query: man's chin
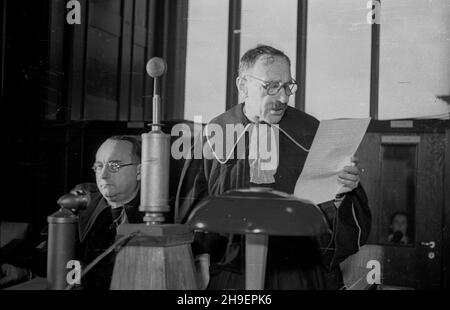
{"points": [[275, 118], [109, 195]]}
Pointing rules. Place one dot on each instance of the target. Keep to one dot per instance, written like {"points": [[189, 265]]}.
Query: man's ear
{"points": [[241, 85], [138, 176]]}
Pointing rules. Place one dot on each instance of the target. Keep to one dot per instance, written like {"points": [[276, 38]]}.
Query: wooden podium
{"points": [[158, 258]]}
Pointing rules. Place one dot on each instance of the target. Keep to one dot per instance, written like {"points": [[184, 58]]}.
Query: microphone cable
{"points": [[115, 246]]}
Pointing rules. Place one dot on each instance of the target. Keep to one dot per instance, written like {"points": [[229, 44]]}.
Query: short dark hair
{"points": [[136, 145], [250, 57]]}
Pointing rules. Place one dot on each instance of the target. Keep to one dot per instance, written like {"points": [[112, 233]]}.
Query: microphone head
{"points": [[156, 67], [74, 202]]}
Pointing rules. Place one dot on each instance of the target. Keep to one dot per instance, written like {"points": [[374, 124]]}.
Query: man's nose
{"points": [[104, 173], [283, 96]]}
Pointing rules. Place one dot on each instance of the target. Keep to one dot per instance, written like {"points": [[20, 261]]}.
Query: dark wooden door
{"points": [[405, 173]]}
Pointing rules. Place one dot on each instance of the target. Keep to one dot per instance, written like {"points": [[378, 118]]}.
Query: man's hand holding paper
{"points": [[349, 177], [327, 172]]}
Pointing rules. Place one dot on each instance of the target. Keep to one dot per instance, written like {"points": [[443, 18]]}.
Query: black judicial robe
{"points": [[292, 262], [96, 234]]}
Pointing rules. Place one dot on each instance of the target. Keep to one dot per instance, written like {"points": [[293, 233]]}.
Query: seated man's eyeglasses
{"points": [[274, 87], [111, 166]]}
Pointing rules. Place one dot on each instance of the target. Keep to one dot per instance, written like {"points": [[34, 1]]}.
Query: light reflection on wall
{"points": [[415, 58], [273, 23], [206, 59], [414, 49], [338, 59]]}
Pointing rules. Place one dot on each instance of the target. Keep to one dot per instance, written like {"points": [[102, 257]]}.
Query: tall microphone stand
{"points": [[160, 256]]}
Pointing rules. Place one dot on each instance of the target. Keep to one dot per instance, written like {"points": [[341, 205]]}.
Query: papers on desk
{"points": [[335, 142]]}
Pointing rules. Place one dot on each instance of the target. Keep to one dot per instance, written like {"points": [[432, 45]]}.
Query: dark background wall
{"points": [[65, 88]]}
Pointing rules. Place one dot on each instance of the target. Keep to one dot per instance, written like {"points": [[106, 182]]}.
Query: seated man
{"points": [[265, 84], [399, 228], [115, 201]]}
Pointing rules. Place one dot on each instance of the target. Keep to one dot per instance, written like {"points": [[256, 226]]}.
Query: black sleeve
{"points": [[350, 224], [192, 189]]}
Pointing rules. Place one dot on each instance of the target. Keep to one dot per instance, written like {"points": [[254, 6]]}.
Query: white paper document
{"points": [[335, 142]]}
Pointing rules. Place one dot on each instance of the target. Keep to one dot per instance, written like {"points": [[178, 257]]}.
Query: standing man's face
{"points": [[118, 187], [257, 102]]}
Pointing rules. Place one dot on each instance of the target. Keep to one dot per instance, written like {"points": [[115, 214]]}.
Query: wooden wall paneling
{"points": [[3, 49], [125, 60], [162, 43], [174, 50], [430, 191], [408, 126], [138, 61], [446, 214], [55, 73], [102, 60], [73, 163], [399, 266], [34, 182], [77, 66], [150, 52], [177, 109], [369, 156], [48, 182]]}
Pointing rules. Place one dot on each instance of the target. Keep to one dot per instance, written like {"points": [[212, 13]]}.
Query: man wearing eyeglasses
{"points": [[265, 85], [117, 173], [117, 170], [115, 200]]}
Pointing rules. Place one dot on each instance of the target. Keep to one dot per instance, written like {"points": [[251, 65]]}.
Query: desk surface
{"points": [[32, 285]]}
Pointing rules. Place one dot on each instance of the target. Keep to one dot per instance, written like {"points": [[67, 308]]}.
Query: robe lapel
{"points": [[132, 210], [88, 217]]}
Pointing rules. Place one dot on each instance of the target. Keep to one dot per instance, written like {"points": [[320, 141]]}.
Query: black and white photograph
{"points": [[236, 146]]}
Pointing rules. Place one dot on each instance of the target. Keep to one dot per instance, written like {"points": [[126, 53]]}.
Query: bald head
{"points": [[118, 187]]}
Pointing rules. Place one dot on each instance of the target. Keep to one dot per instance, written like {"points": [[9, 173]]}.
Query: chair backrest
{"points": [[12, 230]]}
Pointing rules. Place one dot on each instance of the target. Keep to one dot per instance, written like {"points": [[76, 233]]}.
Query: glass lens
{"points": [[113, 166], [273, 88]]}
